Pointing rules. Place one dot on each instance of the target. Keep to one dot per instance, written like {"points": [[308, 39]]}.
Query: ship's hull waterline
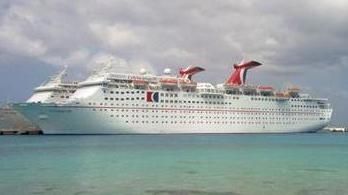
{"points": [[63, 119]]}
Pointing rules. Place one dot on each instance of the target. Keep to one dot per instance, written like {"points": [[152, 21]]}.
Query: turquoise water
{"points": [[302, 164]]}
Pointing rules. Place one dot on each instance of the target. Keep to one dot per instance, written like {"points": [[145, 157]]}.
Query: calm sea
{"points": [[302, 164]]}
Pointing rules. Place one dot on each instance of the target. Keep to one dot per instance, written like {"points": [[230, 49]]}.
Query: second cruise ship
{"points": [[55, 90]]}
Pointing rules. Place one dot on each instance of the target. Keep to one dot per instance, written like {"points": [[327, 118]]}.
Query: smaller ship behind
{"points": [[55, 90]]}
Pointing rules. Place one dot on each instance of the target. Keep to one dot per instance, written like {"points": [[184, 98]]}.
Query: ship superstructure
{"points": [[119, 103]]}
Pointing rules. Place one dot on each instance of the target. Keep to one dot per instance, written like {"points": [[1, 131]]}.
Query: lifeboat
{"points": [[281, 96], [232, 89], [186, 83], [140, 83], [168, 82], [266, 90], [249, 90], [293, 91], [231, 86]]}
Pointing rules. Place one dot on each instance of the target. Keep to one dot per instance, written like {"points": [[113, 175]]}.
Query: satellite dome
{"points": [[143, 71], [167, 71]]}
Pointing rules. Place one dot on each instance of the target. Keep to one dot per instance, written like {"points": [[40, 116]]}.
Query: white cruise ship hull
{"points": [[76, 119]]}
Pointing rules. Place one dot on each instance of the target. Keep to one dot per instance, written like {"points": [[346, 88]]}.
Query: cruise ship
{"points": [[56, 90], [124, 103]]}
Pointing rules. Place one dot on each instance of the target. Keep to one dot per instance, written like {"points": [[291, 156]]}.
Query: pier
{"points": [[336, 129], [20, 132]]}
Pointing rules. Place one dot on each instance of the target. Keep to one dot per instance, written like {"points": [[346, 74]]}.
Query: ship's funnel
{"points": [[188, 72], [238, 77]]}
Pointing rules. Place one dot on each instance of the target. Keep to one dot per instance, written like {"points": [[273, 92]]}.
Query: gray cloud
{"points": [[298, 41]]}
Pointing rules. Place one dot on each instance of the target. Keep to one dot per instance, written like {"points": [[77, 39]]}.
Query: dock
{"points": [[336, 129], [20, 132], [13, 123]]}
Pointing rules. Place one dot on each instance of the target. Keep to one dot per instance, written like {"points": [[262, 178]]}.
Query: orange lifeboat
{"points": [[281, 96], [186, 83], [266, 90], [169, 82], [293, 91], [139, 83]]}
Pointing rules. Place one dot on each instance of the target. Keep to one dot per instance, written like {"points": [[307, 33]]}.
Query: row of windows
{"points": [[62, 96], [288, 114], [196, 95], [212, 122], [203, 107], [122, 99], [304, 106], [195, 102], [210, 118], [125, 92]]}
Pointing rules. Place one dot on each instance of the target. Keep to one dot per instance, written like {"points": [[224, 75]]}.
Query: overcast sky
{"points": [[301, 43]]}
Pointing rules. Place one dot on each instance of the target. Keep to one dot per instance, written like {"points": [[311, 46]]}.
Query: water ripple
{"points": [[188, 192]]}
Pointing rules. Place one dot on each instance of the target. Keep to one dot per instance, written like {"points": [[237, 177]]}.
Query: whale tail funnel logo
{"points": [[188, 72], [238, 77]]}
